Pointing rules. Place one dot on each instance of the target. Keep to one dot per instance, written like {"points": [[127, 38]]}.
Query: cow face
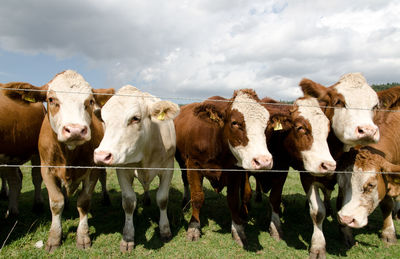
{"points": [[362, 189], [245, 126], [353, 101], [128, 125], [308, 137]]}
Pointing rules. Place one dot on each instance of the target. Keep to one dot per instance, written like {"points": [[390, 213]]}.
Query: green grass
{"points": [[106, 224]]}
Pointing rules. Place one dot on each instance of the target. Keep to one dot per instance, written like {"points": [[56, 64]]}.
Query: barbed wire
{"points": [[280, 103], [186, 169]]}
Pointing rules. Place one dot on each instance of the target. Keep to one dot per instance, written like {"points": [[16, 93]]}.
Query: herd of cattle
{"points": [[344, 127]]}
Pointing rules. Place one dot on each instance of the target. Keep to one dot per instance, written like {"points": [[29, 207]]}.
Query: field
{"points": [[106, 224]]}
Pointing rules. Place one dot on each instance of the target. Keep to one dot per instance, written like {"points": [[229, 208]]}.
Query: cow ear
{"points": [[310, 88], [393, 180], [279, 122], [103, 95], [164, 110], [209, 112], [389, 98], [25, 92]]}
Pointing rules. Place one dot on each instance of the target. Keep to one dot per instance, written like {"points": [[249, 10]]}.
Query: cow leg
{"points": [[275, 199], [233, 196], [388, 229], [37, 183], [162, 202], [258, 191], [396, 208], [317, 213], [327, 201], [103, 181], [4, 188], [56, 200], [197, 199], [125, 179], [146, 194], [186, 190], [14, 180], [83, 204]]}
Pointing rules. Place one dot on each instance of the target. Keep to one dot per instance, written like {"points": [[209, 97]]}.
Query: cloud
{"points": [[204, 47]]}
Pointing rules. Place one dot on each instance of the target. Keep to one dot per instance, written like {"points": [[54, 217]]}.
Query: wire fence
{"points": [[189, 169]]}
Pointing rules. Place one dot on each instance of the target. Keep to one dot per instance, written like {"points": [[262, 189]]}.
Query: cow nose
{"points": [[75, 131], [367, 131], [327, 166], [346, 220], [103, 157], [262, 162]]}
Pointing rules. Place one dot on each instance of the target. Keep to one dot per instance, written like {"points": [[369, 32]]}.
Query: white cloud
{"points": [[203, 48]]}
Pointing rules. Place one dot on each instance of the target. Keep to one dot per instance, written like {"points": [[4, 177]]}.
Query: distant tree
{"points": [[381, 87]]}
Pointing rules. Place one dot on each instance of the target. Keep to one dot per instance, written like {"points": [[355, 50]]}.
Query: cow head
{"points": [[128, 121], [362, 188], [349, 105], [243, 120], [70, 103]]}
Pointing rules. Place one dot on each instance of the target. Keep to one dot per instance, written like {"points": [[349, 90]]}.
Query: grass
{"points": [[106, 224]]}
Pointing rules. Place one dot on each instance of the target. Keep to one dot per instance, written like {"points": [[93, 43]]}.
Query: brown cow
{"points": [[69, 134], [362, 191], [222, 134], [19, 133]]}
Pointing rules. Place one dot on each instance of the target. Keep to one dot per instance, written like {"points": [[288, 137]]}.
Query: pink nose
{"points": [[262, 162], [367, 132], [346, 220], [74, 132], [103, 157], [327, 166]]}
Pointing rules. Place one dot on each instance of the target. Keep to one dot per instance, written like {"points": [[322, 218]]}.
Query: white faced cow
{"points": [[68, 136], [139, 133]]}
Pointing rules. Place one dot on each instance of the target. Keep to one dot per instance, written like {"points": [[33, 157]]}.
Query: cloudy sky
{"points": [[200, 48]]}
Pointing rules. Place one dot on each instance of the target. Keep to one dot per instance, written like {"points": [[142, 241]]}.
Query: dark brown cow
{"points": [[19, 133], [222, 134], [363, 190], [69, 134]]}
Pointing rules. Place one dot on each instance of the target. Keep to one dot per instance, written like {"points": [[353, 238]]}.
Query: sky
{"points": [[200, 48]]}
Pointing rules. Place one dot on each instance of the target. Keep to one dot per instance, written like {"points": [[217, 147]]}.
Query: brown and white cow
{"points": [[139, 133], [69, 134], [349, 105], [19, 133], [297, 137], [363, 190], [221, 134]]}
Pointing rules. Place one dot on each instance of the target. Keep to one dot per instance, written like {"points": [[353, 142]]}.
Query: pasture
{"points": [[106, 223]]}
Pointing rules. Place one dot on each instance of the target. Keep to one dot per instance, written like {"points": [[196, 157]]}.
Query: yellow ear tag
{"points": [[161, 116], [29, 99], [278, 126], [212, 117]]}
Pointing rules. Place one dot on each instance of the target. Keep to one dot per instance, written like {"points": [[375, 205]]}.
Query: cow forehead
{"points": [[309, 109], [250, 108], [356, 91], [70, 84]]}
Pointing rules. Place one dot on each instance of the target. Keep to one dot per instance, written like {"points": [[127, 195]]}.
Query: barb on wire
{"points": [[283, 103], [182, 169]]}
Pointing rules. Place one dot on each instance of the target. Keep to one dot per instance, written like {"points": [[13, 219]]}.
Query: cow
{"points": [[297, 137], [139, 132], [217, 135], [361, 191], [19, 133], [68, 136], [349, 105]]}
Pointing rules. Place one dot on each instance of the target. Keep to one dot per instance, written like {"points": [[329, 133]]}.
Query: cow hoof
{"points": [[38, 207], [166, 237], [106, 201], [242, 242], [275, 234], [51, 248], [126, 246], [317, 253], [389, 238], [349, 241], [83, 242], [193, 234]]}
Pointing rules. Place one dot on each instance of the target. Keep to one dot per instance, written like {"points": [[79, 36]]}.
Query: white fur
{"points": [[360, 98], [256, 118], [319, 151]]}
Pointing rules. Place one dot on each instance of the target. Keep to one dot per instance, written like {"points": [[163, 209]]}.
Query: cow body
{"points": [[139, 133], [363, 190], [19, 132], [349, 105], [222, 134], [68, 136]]}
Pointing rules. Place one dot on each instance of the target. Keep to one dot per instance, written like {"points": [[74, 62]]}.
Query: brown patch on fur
{"points": [[103, 95], [20, 91], [209, 112], [236, 130]]}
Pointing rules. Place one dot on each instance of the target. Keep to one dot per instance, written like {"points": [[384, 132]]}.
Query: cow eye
{"points": [[338, 102], [91, 102], [369, 187], [235, 124], [376, 107], [133, 120], [301, 129], [51, 100]]}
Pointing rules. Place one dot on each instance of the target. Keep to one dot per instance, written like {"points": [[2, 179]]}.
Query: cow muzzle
{"points": [[262, 162], [103, 157], [350, 221], [75, 132], [367, 133]]}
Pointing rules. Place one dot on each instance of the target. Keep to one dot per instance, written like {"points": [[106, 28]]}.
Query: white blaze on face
{"points": [[70, 91], [353, 124], [256, 117], [358, 202], [317, 158], [126, 120]]}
